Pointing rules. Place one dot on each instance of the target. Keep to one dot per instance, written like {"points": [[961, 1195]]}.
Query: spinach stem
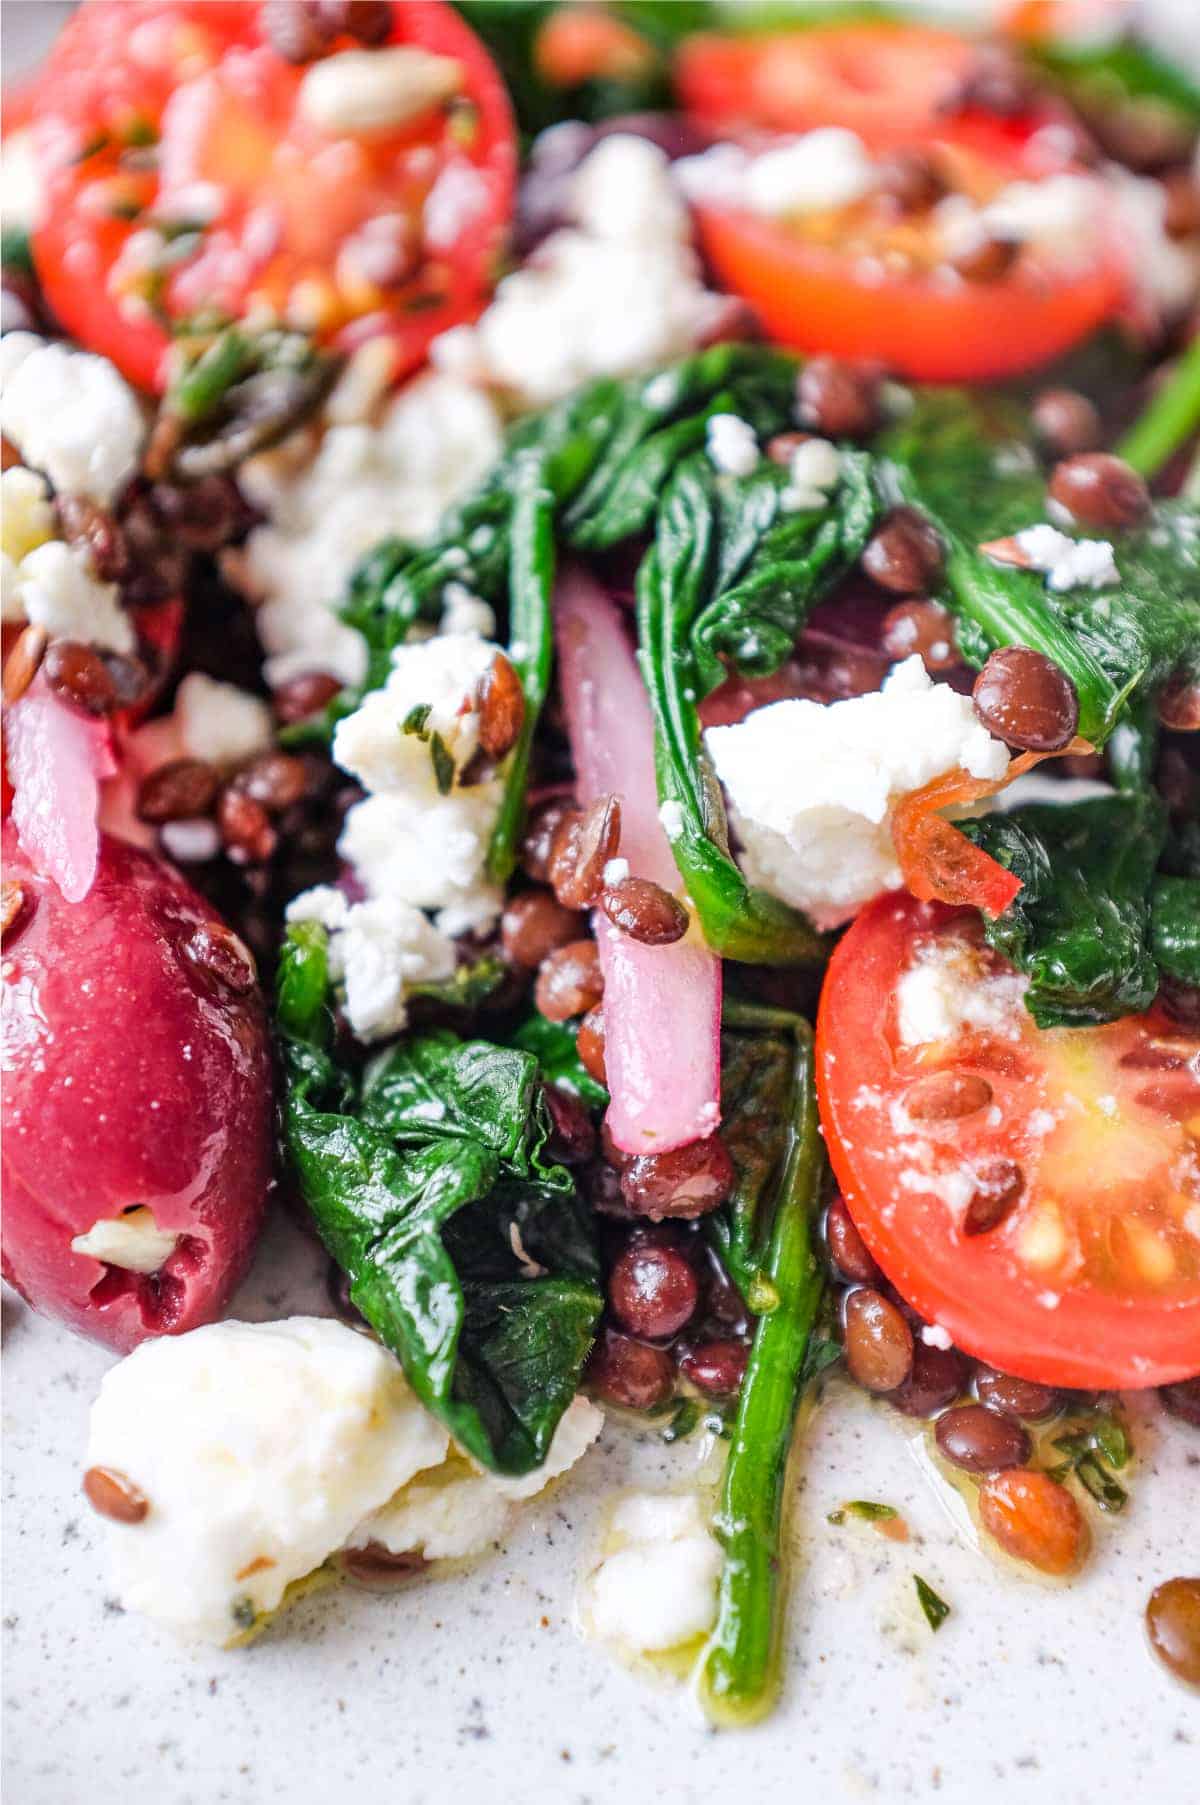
{"points": [[1170, 419], [736, 1675]]}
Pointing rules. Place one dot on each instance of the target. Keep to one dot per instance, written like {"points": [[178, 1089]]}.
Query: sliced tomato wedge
{"points": [[943, 1105], [892, 82], [188, 176]]}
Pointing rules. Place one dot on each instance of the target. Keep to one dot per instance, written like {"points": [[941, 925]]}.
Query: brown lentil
{"points": [[201, 516], [998, 1186], [114, 1496], [847, 1249], [629, 1372], [572, 1137], [1179, 704], [644, 911], [1026, 700], [376, 1567], [1100, 490], [581, 848], [246, 831], [1033, 1519], [79, 676], [1173, 1625], [988, 261], [981, 1441], [569, 981], [275, 780], [534, 925], [839, 399], [904, 555], [716, 1367], [688, 1181], [938, 1376], [294, 29], [22, 664], [179, 790], [537, 844], [908, 182], [879, 1343], [82, 522], [501, 708], [923, 627], [303, 696], [653, 1290], [589, 1044], [1066, 422], [1022, 1398]]}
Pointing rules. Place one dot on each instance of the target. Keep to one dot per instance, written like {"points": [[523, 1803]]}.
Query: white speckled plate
{"points": [[476, 1684]]}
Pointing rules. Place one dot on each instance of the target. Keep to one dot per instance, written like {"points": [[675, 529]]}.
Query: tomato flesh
{"points": [[1093, 1277], [180, 116]]}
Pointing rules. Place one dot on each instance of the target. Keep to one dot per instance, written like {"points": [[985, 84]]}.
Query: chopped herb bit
{"points": [[138, 132], [682, 1420], [1100, 1484], [15, 251], [415, 720], [125, 209], [171, 229], [869, 1511], [243, 1613], [443, 764], [1099, 1440], [936, 1609], [1111, 1441], [92, 147]]}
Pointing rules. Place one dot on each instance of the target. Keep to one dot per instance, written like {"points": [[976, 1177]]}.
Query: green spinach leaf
{"points": [[1175, 927]]}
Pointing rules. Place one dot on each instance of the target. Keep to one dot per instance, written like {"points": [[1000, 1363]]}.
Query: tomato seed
{"points": [[947, 1096], [998, 1186]]}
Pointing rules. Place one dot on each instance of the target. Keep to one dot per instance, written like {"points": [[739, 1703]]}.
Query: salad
{"points": [[601, 683]]}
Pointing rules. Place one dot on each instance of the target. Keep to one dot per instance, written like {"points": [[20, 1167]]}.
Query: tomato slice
{"points": [[865, 289], [187, 176], [892, 82], [1093, 1277]]}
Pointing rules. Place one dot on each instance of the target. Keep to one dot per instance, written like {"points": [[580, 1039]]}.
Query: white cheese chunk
{"points": [[429, 853], [378, 949], [1069, 563], [616, 292], [463, 612], [55, 587], [458, 1509], [259, 1447], [440, 675], [812, 786], [732, 445], [220, 722], [814, 471], [132, 1241], [361, 91], [656, 1586], [818, 170], [71, 415], [22, 181]]}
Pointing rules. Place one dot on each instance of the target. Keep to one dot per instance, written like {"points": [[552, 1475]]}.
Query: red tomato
{"points": [[135, 1076], [893, 83], [178, 112], [1093, 1277], [817, 296]]}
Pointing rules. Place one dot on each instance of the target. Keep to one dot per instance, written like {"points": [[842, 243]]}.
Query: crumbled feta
{"points": [[814, 471], [432, 444], [220, 722], [826, 168], [732, 445], [361, 91], [428, 853], [21, 181], [378, 949], [616, 871], [71, 415], [656, 1587], [616, 292], [26, 521], [132, 1241], [54, 586], [1061, 209], [1165, 271], [947, 988], [259, 1446], [934, 1335], [670, 817], [463, 612], [1068, 563], [459, 1510], [812, 786], [433, 686]]}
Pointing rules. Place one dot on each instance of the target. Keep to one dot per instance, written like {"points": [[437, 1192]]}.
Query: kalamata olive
{"points": [[981, 1441], [629, 1372], [847, 1249], [839, 399], [922, 627], [569, 981], [1025, 699], [534, 925], [687, 1181], [653, 1288], [938, 1376], [1066, 422], [717, 1367], [1173, 1625], [904, 555], [1021, 1398], [134, 1079], [1034, 1519], [879, 1343], [1100, 490], [1183, 1400]]}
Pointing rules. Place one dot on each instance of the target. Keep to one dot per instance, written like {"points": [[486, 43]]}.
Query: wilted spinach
{"points": [[1175, 927], [468, 1250]]}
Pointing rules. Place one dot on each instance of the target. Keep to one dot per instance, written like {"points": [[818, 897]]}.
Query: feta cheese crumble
{"points": [[814, 471], [378, 950], [428, 853], [47, 582], [432, 688], [656, 1586], [617, 291], [1068, 563], [818, 170], [220, 722], [812, 786], [71, 415], [732, 445], [948, 988], [132, 1241]]}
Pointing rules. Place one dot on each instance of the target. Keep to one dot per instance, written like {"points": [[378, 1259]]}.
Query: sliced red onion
{"points": [[662, 1004], [57, 759]]}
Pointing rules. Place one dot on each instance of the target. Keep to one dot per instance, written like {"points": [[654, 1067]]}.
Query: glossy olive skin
{"points": [[135, 1073]]}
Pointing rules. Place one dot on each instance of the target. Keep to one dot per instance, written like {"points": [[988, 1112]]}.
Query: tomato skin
{"points": [[90, 76], [1073, 1335], [816, 299], [129, 1080]]}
